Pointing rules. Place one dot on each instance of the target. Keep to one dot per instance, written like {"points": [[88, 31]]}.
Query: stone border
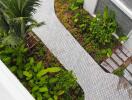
{"points": [[10, 87]]}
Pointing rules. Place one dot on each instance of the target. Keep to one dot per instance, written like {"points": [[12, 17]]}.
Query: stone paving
{"points": [[97, 84]]}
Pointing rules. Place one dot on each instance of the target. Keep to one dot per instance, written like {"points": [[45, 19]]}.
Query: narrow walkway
{"points": [[96, 84]]}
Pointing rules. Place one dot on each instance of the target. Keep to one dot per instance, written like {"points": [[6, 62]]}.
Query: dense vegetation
{"points": [[94, 34], [36, 68], [41, 73]]}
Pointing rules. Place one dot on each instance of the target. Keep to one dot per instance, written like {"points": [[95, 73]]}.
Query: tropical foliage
{"points": [[95, 34], [102, 27], [120, 71], [36, 68], [43, 82], [16, 16], [76, 4]]}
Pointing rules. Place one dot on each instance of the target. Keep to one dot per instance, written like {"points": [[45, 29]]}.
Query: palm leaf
{"points": [[17, 13]]}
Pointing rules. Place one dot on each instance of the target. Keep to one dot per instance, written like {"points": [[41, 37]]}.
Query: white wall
{"points": [[90, 6], [10, 87], [128, 43], [123, 7]]}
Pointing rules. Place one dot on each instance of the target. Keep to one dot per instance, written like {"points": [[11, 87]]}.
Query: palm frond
{"points": [[17, 13]]}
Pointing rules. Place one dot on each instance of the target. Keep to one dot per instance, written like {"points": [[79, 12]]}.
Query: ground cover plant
{"points": [[94, 34], [40, 72], [36, 68]]}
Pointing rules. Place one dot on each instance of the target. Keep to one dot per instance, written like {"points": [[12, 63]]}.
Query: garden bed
{"points": [[28, 58], [78, 21], [40, 72]]}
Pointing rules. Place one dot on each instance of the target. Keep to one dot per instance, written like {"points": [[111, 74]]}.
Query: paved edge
{"points": [[10, 87]]}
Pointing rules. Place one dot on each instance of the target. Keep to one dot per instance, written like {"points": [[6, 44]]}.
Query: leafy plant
{"points": [[16, 15], [76, 4], [50, 82], [81, 22], [107, 52], [102, 27], [119, 72], [46, 83], [42, 82], [123, 38]]}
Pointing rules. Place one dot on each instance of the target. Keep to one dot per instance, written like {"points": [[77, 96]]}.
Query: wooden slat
{"points": [[126, 51], [107, 67], [117, 59], [121, 55], [111, 63]]}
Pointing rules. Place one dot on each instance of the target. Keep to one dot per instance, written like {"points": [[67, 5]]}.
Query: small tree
{"points": [[17, 15]]}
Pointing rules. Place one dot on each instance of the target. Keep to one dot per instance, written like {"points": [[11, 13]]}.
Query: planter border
{"points": [[90, 6], [123, 7], [12, 86]]}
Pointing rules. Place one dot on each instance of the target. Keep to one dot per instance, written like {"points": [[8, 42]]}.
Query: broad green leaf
{"points": [[25, 50], [13, 68], [7, 60], [39, 97], [55, 97], [53, 80], [19, 73], [42, 72], [43, 89], [50, 99], [105, 16], [31, 60], [80, 1], [53, 69], [60, 92], [35, 88], [39, 65], [26, 73]]}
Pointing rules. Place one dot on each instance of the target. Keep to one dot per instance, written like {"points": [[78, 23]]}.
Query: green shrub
{"points": [[44, 83], [82, 22], [47, 83], [44, 80], [76, 4], [102, 27], [119, 72]]}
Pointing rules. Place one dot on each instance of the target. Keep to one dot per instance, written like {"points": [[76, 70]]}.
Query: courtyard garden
{"points": [[28, 58], [37, 67], [94, 34], [97, 35]]}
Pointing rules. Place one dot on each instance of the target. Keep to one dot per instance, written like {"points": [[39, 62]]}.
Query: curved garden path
{"points": [[97, 84]]}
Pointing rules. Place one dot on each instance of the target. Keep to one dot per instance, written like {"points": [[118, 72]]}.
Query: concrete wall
{"points": [[90, 6], [123, 20], [10, 87]]}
